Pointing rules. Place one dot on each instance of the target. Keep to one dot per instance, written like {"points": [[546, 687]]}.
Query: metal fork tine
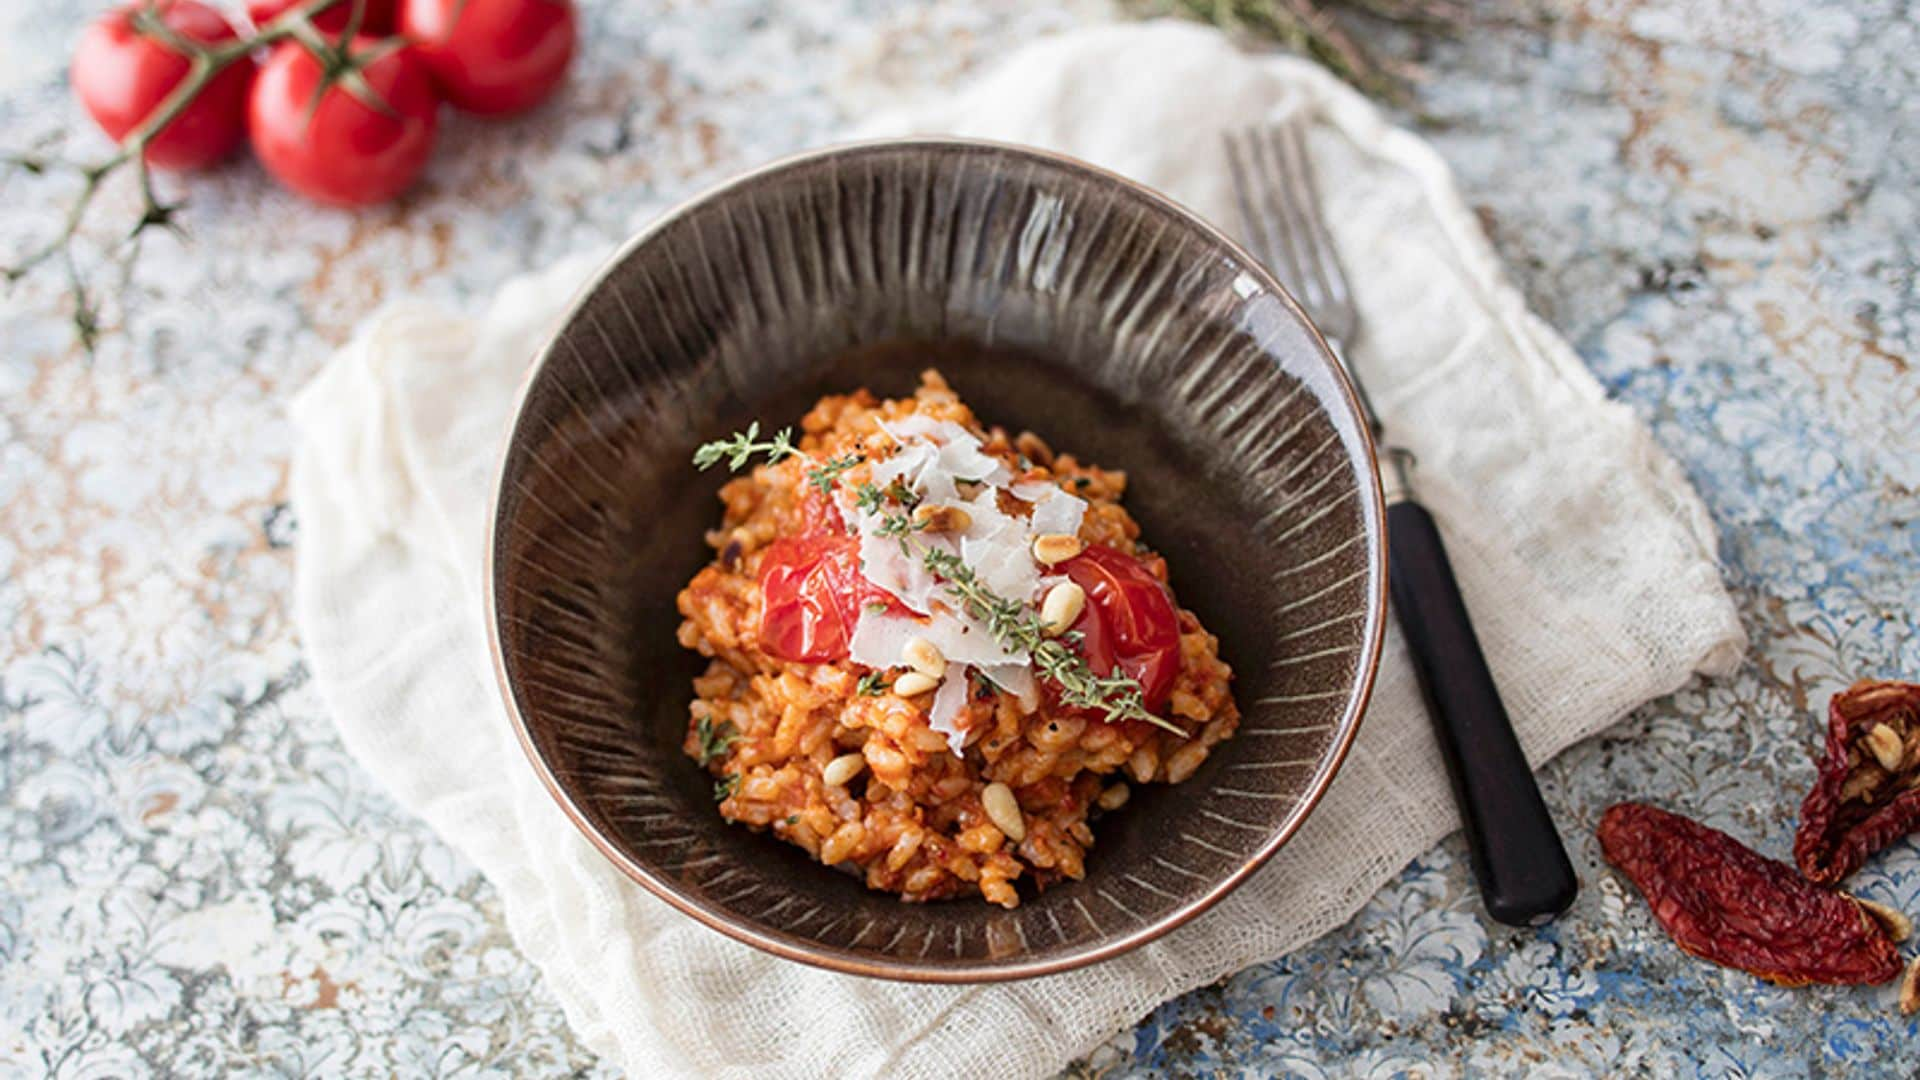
{"points": [[1289, 247], [1255, 210], [1320, 261]]}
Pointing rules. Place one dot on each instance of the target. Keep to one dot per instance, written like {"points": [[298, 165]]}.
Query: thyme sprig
{"points": [[1018, 628], [738, 449], [825, 475]]}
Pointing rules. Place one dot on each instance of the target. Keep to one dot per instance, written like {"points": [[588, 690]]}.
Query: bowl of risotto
{"points": [[936, 560]]}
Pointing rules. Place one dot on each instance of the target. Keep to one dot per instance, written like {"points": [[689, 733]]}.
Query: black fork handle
{"points": [[1524, 875]]}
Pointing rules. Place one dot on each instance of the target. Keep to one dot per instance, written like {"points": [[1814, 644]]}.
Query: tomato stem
{"points": [[205, 63]]}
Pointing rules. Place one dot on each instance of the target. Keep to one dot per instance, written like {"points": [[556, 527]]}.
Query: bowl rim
{"points": [[791, 947]]}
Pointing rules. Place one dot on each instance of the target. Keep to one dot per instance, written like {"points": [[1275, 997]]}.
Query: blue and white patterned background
{"points": [[1715, 199]]}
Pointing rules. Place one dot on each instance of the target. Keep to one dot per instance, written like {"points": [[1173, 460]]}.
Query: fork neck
{"points": [[1396, 462]]}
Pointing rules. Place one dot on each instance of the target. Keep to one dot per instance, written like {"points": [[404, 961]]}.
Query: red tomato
{"points": [[120, 76], [1129, 619], [493, 57], [345, 152], [811, 593], [377, 17], [818, 514]]}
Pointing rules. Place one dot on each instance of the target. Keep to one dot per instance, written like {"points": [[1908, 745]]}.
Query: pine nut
{"points": [[1887, 748], [842, 769], [1062, 605], [1056, 548], [924, 657], [942, 519], [1004, 811], [914, 683], [1115, 797]]}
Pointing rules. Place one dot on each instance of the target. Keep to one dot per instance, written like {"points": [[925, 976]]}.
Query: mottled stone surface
{"points": [[1714, 199]]}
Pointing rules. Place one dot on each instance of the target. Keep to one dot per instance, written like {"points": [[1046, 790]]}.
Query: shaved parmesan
{"points": [[934, 459], [905, 465], [1034, 491], [963, 459], [1058, 513], [949, 705], [1015, 679], [880, 639], [884, 563]]}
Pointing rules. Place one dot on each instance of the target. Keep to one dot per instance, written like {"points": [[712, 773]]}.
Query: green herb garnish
{"points": [[873, 498], [713, 739], [872, 684], [1017, 627], [723, 788], [824, 476], [738, 449]]}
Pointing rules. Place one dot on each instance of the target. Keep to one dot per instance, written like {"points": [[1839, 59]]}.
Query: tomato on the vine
{"points": [[811, 594], [493, 57], [1129, 620], [122, 75], [376, 16], [344, 151]]}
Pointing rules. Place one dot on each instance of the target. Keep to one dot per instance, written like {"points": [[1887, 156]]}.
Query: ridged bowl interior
{"points": [[1055, 298]]}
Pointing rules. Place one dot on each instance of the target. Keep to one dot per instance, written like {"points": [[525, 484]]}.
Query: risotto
{"points": [[938, 652]]}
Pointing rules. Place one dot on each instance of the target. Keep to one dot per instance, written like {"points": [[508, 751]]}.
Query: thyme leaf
{"points": [[713, 739], [824, 476], [872, 684]]}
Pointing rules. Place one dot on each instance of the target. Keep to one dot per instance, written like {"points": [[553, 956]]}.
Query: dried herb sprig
{"points": [[1309, 27]]}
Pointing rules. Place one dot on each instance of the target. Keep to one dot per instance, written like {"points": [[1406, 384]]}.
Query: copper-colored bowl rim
{"points": [[799, 949]]}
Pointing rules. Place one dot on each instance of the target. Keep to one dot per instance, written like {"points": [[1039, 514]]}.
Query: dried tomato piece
{"points": [[1722, 901], [1867, 794]]}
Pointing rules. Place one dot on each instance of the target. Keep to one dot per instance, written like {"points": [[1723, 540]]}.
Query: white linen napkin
{"points": [[1586, 559]]}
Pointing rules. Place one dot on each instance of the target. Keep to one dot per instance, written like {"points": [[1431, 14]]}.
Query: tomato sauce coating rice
{"points": [[830, 755]]}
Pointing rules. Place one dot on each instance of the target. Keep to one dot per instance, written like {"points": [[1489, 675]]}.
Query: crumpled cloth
{"points": [[1586, 559]]}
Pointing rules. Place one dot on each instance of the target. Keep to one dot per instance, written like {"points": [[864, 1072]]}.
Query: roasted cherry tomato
{"points": [[493, 57], [122, 75], [376, 16], [811, 594], [818, 515], [1129, 620], [344, 152]]}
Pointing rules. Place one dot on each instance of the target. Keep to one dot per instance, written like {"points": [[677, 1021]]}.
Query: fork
{"points": [[1518, 860]]}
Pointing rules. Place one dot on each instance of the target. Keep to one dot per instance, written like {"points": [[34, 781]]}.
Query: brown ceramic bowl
{"points": [[1055, 297]]}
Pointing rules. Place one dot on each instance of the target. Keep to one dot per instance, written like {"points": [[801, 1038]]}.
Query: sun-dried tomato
{"points": [[1722, 901], [1867, 794]]}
